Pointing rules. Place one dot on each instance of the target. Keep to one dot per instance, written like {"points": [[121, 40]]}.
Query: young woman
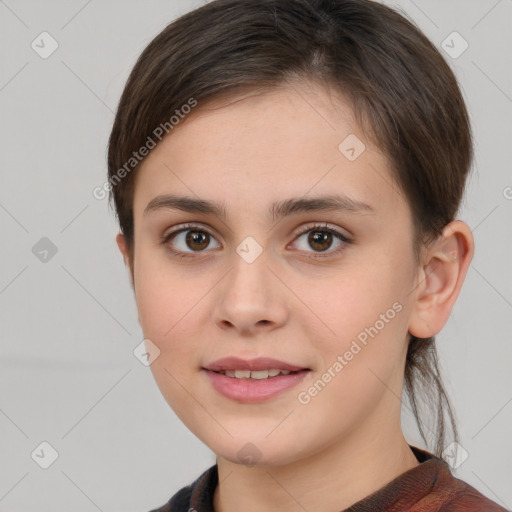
{"points": [[286, 175]]}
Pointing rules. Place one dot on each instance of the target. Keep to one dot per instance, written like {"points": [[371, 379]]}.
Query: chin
{"points": [[258, 453]]}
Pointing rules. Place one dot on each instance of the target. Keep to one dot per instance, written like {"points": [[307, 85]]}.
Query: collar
{"points": [[405, 490]]}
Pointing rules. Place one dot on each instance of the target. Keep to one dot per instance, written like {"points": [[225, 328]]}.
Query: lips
{"points": [[260, 363], [253, 380]]}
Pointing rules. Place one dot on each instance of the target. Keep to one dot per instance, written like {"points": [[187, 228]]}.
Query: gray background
{"points": [[69, 326]]}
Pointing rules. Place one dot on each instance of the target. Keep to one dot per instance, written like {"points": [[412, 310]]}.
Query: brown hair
{"points": [[404, 94]]}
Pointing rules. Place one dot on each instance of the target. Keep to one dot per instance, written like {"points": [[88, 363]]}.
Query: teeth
{"points": [[242, 374], [259, 374], [256, 374]]}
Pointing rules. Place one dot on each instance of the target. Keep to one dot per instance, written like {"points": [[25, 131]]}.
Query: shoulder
{"points": [[178, 503], [462, 497], [198, 496]]}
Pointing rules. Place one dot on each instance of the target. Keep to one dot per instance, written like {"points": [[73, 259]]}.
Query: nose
{"points": [[250, 299]]}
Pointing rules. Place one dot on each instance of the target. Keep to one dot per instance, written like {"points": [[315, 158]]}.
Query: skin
{"points": [[288, 304]]}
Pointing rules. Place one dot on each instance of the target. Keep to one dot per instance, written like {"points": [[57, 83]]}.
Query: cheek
{"points": [[166, 302], [354, 300], [360, 352], [167, 305], [364, 324]]}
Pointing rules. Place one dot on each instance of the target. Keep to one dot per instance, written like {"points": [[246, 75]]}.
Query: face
{"points": [[324, 289]]}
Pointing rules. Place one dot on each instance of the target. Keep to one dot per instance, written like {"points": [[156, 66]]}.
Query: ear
{"points": [[128, 260], [444, 267]]}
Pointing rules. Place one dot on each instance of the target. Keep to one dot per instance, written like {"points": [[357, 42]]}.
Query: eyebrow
{"points": [[277, 210]]}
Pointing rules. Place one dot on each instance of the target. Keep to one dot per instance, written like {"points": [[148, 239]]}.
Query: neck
{"points": [[332, 480]]}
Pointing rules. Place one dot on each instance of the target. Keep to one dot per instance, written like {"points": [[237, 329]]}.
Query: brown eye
{"points": [[197, 240], [188, 240], [320, 240]]}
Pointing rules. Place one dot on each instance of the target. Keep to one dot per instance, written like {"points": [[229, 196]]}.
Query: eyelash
{"points": [[323, 228]]}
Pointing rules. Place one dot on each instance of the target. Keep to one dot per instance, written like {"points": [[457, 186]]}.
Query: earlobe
{"points": [[121, 243], [445, 265]]}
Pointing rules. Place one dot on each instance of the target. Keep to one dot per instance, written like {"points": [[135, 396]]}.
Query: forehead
{"points": [[265, 145]]}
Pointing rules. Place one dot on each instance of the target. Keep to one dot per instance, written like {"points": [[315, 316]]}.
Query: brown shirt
{"points": [[428, 487]]}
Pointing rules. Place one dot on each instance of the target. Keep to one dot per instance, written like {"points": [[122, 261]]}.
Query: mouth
{"points": [[255, 374], [256, 380]]}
